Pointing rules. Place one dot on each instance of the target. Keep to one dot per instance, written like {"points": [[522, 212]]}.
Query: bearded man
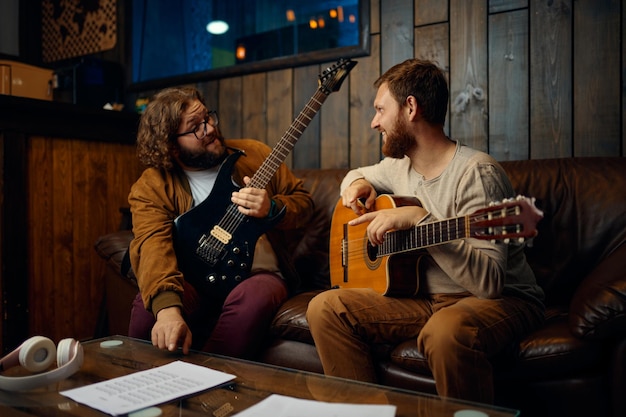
{"points": [[191, 169], [475, 297]]}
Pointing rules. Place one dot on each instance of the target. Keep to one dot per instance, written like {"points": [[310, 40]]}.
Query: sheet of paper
{"points": [[281, 406], [143, 389]]}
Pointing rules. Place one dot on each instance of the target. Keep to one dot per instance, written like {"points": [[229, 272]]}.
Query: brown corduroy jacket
{"points": [[159, 197]]}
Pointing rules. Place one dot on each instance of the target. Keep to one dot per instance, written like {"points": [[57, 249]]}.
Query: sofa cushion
{"points": [[290, 321], [548, 352], [553, 351], [292, 354], [406, 356]]}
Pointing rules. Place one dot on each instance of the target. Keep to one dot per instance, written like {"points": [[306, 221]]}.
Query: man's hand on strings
{"points": [[383, 221], [355, 192], [254, 202]]}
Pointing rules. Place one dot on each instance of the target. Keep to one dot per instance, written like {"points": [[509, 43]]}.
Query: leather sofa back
{"points": [[311, 251], [583, 200]]}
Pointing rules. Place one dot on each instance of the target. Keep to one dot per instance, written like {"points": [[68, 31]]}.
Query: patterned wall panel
{"points": [[72, 28]]}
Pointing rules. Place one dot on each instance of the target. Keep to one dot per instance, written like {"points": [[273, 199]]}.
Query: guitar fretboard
{"points": [[425, 235], [286, 144], [233, 217]]}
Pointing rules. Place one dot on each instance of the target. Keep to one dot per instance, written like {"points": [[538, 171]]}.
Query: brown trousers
{"points": [[457, 333]]}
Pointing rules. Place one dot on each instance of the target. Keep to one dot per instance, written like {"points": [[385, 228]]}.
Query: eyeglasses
{"points": [[200, 131]]}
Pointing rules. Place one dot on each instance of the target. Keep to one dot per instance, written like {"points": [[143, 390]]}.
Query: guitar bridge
{"points": [[206, 251]]}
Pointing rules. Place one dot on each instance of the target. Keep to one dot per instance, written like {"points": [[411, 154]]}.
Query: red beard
{"points": [[398, 142]]}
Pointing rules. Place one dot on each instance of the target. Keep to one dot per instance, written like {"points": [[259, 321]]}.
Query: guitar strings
{"points": [[433, 233]]}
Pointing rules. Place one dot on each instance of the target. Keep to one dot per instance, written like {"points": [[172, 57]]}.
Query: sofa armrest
{"points": [[112, 247], [598, 308]]}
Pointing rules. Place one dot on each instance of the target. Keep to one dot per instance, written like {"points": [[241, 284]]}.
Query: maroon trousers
{"points": [[236, 329]]}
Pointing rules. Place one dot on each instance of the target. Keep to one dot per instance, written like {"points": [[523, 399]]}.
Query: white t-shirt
{"points": [[201, 183]]}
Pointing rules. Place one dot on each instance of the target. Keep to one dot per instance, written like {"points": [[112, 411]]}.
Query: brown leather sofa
{"points": [[575, 365]]}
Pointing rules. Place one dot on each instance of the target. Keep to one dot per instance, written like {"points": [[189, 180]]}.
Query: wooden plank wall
{"points": [[75, 190], [529, 79]]}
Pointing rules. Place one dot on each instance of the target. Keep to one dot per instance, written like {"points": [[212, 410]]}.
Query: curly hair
{"points": [[160, 122], [422, 80]]}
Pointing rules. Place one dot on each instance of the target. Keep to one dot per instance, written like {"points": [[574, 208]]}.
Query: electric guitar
{"points": [[392, 268], [214, 242]]}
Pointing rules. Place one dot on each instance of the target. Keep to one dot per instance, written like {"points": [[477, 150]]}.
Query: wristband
{"points": [[272, 208]]}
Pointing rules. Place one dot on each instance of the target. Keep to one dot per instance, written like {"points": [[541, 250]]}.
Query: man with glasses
{"points": [[180, 143]]}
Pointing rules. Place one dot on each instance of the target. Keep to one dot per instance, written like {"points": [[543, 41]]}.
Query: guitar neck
{"points": [[429, 234], [330, 81], [286, 144]]}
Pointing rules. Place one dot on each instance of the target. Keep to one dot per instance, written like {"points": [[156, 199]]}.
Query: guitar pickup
{"points": [[221, 234]]}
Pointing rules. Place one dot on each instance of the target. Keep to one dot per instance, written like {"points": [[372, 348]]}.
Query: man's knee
{"points": [[446, 330], [320, 306], [141, 320]]}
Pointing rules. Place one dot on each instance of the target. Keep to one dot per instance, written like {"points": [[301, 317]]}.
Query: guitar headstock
{"points": [[511, 219], [331, 78]]}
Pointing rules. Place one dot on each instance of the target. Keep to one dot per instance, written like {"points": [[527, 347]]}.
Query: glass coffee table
{"points": [[254, 382]]}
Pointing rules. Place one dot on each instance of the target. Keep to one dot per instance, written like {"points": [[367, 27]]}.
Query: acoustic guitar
{"points": [[392, 268], [214, 242]]}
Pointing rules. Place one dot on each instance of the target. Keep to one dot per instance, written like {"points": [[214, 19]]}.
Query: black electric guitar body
{"points": [[210, 258], [214, 241]]}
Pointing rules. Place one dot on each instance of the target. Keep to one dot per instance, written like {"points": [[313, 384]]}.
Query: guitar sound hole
{"points": [[372, 252], [370, 255]]}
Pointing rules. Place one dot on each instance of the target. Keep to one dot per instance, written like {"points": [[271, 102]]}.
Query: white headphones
{"points": [[36, 355]]}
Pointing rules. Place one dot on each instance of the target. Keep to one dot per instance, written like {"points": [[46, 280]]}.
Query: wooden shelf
{"points": [[50, 118]]}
